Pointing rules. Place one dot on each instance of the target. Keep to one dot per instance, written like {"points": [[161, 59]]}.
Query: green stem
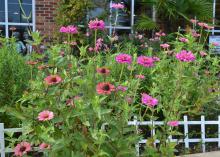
{"points": [[122, 70], [95, 39]]}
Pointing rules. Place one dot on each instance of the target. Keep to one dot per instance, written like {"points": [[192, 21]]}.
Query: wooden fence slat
{"points": [[2, 140]]}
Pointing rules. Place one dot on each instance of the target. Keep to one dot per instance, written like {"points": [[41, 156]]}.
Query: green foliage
{"points": [[72, 11], [145, 23], [15, 75]]}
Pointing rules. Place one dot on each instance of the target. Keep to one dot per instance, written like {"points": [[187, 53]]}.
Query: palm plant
{"points": [[174, 13]]}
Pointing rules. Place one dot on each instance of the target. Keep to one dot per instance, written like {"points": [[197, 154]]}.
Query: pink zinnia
{"points": [[124, 58], [160, 34], [96, 24], [165, 46], [105, 88], [185, 56], [63, 29], [184, 40], [103, 71], [53, 79], [69, 29], [45, 115], [215, 44], [145, 61], [140, 76], [117, 6], [148, 100], [22, 149], [202, 24], [173, 123], [43, 146]]}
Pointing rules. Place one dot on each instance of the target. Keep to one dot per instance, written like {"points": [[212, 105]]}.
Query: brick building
{"points": [[34, 14]]}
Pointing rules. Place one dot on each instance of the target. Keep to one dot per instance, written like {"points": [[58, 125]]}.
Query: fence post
{"points": [[186, 132], [2, 140], [203, 133], [137, 131], [218, 131]]}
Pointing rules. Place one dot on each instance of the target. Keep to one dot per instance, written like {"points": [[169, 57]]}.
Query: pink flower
{"points": [[103, 71], [160, 34], [140, 76], [124, 58], [69, 29], [117, 6], [22, 149], [185, 56], [173, 123], [121, 88], [105, 88], [63, 29], [156, 59], [145, 61], [194, 34], [202, 24], [44, 146], [53, 79], [202, 53], [31, 62], [148, 100], [194, 21], [45, 115], [165, 46], [96, 24], [215, 44], [90, 49], [184, 40]]}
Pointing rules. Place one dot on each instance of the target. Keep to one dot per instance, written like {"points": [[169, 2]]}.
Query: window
{"points": [[15, 16]]}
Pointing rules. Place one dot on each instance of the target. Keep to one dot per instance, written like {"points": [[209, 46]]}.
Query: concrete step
{"points": [[209, 154]]}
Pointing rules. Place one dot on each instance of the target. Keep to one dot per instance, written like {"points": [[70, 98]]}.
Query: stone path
{"points": [[209, 154]]}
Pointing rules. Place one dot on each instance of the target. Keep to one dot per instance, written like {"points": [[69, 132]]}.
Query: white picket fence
{"points": [[136, 123], [185, 124]]}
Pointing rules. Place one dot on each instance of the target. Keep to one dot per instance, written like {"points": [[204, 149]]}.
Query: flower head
{"points": [[96, 24], [146, 61], [194, 21], [185, 56], [215, 44], [184, 40], [43, 146], [31, 62], [103, 71], [173, 123], [22, 149], [124, 58], [53, 79], [202, 24], [45, 115], [140, 76], [202, 53], [165, 46], [148, 100], [69, 29], [117, 6], [105, 88], [160, 34]]}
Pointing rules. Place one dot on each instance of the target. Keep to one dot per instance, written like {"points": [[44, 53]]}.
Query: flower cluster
{"points": [[185, 56], [69, 29]]}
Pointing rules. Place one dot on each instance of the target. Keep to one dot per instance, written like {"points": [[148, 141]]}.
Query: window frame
{"points": [[7, 24]]}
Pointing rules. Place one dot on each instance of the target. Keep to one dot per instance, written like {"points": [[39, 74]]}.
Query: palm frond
{"points": [[145, 23]]}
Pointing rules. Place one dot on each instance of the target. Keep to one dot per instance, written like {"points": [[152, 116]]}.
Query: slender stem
{"points": [[122, 70], [116, 19], [95, 39]]}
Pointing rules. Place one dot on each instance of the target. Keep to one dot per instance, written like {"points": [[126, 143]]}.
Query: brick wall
{"points": [[45, 17]]}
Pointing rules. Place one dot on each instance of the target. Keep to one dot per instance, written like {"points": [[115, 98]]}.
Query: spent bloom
{"points": [[53, 79], [22, 149], [173, 123], [123, 58], [194, 21], [45, 115], [202, 53], [185, 56], [31, 62], [160, 34], [148, 100], [117, 6], [96, 24], [105, 88], [146, 61], [202, 24], [184, 40], [103, 71], [215, 44], [43, 146]]}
